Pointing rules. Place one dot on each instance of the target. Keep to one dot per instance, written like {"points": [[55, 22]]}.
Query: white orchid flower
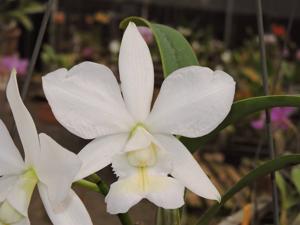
{"points": [[47, 165], [139, 142]]}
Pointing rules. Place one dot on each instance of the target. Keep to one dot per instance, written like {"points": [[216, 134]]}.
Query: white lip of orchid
{"points": [[146, 157], [142, 159], [10, 215]]}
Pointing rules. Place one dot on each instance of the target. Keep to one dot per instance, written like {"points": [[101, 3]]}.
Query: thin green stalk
{"points": [[94, 183], [268, 123]]}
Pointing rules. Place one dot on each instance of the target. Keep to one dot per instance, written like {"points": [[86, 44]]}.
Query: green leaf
{"points": [[175, 51], [296, 177], [264, 169], [241, 109], [22, 18], [33, 7], [281, 184]]}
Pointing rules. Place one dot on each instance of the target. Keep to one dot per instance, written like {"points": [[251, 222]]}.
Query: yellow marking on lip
{"points": [[143, 178]]}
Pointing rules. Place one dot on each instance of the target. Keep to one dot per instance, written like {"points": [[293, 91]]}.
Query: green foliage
{"points": [[175, 51], [19, 11], [51, 58], [296, 178], [262, 170]]}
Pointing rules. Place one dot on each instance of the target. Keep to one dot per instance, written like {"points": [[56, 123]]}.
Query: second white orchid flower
{"points": [[47, 165], [139, 142]]}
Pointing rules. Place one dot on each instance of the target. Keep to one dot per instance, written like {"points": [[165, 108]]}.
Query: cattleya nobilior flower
{"points": [[47, 165], [150, 162]]}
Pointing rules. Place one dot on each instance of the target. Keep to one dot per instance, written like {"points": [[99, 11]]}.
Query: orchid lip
{"points": [[146, 157]]}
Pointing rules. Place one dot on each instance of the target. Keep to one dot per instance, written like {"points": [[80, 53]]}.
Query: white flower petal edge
{"points": [[136, 73], [87, 86], [98, 153], [11, 161], [16, 188], [69, 212], [25, 125], [56, 168], [192, 102], [187, 170]]}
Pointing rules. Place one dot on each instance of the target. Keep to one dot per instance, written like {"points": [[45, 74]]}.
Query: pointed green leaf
{"points": [[241, 109], [296, 177], [175, 51], [264, 169]]}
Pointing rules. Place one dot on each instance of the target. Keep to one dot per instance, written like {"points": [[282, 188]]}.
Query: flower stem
{"points": [[268, 122], [88, 185], [94, 183]]}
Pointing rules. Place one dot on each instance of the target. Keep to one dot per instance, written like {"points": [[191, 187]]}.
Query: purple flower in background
{"points": [[286, 52], [146, 34], [279, 117], [88, 52], [7, 63]]}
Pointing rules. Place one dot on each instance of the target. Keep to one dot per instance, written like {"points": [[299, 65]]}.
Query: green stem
{"points": [[88, 185], [94, 183]]}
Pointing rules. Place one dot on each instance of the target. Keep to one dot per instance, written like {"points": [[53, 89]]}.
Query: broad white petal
{"points": [[57, 168], [87, 100], [136, 73], [69, 212], [192, 102], [187, 170], [98, 153], [122, 195], [165, 192], [24, 122], [6, 184], [11, 161]]}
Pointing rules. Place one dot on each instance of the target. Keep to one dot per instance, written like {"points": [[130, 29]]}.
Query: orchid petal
{"points": [[122, 195], [187, 170], [6, 184], [192, 102], [57, 168], [24, 122], [25, 221], [98, 153], [19, 195], [11, 161], [136, 73], [71, 211], [166, 192], [161, 190], [87, 100]]}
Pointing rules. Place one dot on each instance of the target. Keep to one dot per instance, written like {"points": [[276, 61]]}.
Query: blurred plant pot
{"points": [[9, 38]]}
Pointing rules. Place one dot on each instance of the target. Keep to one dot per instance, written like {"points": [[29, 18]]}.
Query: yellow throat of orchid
{"points": [[27, 182]]}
